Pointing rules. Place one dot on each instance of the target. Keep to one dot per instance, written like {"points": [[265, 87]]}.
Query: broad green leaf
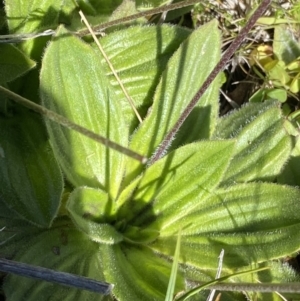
{"points": [[91, 210], [176, 185], [30, 179], [24, 17], [285, 47], [13, 63], [62, 248], [263, 145], [139, 55], [252, 222], [137, 272], [77, 88], [184, 75]]}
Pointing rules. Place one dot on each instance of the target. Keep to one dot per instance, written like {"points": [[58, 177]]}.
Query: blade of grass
{"points": [[213, 291], [71, 125], [172, 280], [111, 66]]}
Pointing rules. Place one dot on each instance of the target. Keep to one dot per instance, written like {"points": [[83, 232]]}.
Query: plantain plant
{"points": [[71, 204]]}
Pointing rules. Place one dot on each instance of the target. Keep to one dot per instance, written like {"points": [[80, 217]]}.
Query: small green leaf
{"points": [[258, 96], [277, 73], [13, 63], [30, 179], [78, 89], [139, 235], [62, 248], [137, 272], [277, 94], [294, 65], [295, 84], [265, 94], [90, 210], [191, 64], [263, 145], [93, 204]]}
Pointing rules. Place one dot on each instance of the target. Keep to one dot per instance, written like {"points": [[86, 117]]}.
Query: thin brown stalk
{"points": [[161, 150], [293, 287], [71, 125], [150, 12]]}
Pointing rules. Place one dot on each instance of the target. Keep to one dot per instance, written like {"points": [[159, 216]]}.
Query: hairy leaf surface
{"points": [[251, 222], [136, 271], [62, 248], [184, 75], [177, 184], [25, 17], [139, 55], [73, 85], [263, 145], [91, 212], [30, 178]]}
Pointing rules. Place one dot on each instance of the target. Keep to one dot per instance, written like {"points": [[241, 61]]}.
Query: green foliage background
{"points": [[72, 204]]}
